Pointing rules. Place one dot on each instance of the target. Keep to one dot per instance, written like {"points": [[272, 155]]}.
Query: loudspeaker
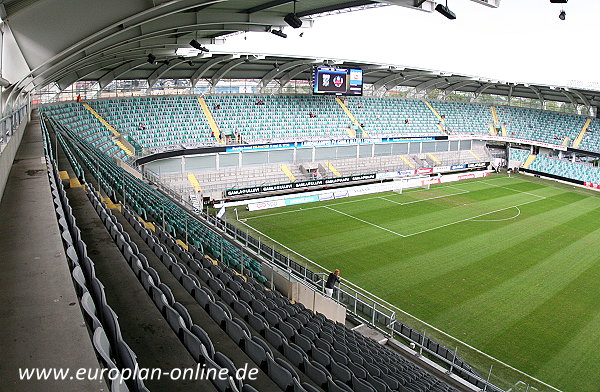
{"points": [[293, 20]]}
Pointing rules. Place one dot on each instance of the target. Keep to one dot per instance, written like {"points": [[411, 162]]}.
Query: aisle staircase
{"points": [[497, 123], [440, 118], [351, 117], [333, 169], [529, 161], [194, 181], [211, 121], [116, 134], [288, 172], [579, 138], [409, 163]]}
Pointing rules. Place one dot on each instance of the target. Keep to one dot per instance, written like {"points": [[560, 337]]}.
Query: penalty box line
{"points": [[437, 227], [365, 199]]}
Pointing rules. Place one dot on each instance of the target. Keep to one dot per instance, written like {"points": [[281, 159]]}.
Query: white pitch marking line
{"points": [[420, 200], [355, 201], [467, 219], [364, 221], [499, 220], [510, 189]]}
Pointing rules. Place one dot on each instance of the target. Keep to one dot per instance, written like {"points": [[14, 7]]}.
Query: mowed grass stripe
{"points": [[577, 360], [554, 325], [420, 266], [490, 284], [550, 259], [494, 262]]}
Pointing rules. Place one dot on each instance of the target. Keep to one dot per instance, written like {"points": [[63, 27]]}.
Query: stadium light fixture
{"points": [[279, 33], [292, 19], [562, 15], [444, 10], [196, 45], [151, 58]]}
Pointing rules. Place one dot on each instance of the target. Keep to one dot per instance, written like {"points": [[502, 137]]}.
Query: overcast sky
{"points": [[522, 41]]}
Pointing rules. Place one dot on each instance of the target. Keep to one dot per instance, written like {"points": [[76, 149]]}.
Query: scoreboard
{"points": [[337, 81]]}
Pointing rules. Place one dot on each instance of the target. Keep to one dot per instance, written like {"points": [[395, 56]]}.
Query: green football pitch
{"points": [[510, 266]]}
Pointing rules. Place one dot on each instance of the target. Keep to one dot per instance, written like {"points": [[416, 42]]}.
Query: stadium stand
{"points": [[459, 118], [77, 118], [393, 117], [159, 123], [540, 125], [215, 182], [518, 155], [261, 119], [295, 348], [565, 168], [591, 140]]}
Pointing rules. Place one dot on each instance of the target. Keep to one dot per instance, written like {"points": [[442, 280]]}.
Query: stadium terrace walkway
{"points": [[41, 324]]}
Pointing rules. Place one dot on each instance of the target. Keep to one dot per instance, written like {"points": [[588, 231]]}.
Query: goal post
{"points": [[404, 183]]}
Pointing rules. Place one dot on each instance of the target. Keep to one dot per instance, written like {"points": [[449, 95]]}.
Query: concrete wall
{"points": [[298, 292], [7, 155]]}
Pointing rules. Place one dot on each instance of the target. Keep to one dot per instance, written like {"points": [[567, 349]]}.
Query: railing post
{"points": [[487, 382], [374, 306]]}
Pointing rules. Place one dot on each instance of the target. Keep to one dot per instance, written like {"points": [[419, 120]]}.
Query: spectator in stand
{"points": [[406, 121], [332, 279], [79, 98]]}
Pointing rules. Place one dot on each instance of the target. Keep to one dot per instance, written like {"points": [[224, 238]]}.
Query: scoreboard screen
{"points": [[337, 81]]}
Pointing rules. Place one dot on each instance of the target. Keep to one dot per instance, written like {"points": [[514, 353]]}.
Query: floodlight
{"points": [[279, 33], [562, 15], [293, 20], [151, 58], [444, 10]]}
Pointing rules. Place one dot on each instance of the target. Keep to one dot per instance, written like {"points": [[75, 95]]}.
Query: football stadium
{"points": [[177, 217]]}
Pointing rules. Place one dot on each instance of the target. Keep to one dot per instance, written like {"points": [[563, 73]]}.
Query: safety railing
{"points": [[10, 123], [456, 356]]}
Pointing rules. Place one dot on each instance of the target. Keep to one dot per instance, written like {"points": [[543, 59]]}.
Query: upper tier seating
{"points": [[464, 118], [159, 122], [591, 140], [540, 125], [388, 116], [272, 118]]}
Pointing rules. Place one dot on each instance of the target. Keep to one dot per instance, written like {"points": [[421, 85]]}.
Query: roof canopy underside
{"points": [[65, 41]]}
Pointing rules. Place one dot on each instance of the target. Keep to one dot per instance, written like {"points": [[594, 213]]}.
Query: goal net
{"points": [[404, 183]]}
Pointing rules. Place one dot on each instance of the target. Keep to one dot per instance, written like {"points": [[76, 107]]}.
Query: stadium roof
{"points": [[283, 69], [64, 41]]}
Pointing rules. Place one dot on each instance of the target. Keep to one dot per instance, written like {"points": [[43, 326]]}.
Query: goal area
{"points": [[402, 184]]}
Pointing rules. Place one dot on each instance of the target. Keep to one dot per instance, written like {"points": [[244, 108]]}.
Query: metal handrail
{"points": [[10, 123]]}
